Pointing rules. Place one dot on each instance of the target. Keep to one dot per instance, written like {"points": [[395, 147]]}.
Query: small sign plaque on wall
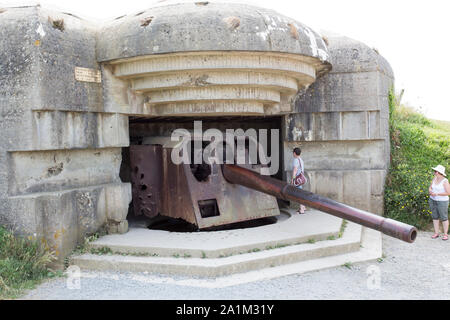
{"points": [[88, 75]]}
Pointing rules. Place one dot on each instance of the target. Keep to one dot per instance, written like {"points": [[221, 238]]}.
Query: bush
{"points": [[23, 263], [417, 145]]}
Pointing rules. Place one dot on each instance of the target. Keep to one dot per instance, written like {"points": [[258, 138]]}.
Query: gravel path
{"points": [[417, 271]]}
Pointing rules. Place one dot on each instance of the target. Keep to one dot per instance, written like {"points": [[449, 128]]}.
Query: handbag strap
{"points": [[300, 165]]}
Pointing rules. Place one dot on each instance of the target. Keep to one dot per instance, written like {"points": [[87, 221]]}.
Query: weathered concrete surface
{"points": [[208, 83], [186, 28], [168, 61], [62, 134], [61, 219], [289, 229], [59, 154], [341, 122], [213, 254]]}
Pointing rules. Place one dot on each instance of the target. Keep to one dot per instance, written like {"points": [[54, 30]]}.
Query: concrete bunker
{"points": [[73, 99]]}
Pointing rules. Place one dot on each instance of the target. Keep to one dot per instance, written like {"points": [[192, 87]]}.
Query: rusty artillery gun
{"points": [[280, 189], [213, 195]]}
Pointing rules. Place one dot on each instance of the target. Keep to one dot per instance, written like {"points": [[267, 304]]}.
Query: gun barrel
{"points": [[280, 189]]}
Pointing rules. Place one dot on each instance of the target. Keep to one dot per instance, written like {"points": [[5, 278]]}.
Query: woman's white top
{"points": [[298, 163], [439, 188]]}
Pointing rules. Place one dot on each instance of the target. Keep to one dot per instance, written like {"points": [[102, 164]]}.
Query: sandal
{"points": [[436, 235], [445, 237]]}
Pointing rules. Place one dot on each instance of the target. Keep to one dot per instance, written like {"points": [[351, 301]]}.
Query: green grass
{"points": [[23, 264], [84, 246], [348, 265], [101, 251], [342, 228], [277, 246], [417, 145]]}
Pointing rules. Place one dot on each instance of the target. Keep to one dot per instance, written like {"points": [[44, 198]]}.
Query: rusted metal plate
{"points": [[177, 201], [146, 179]]}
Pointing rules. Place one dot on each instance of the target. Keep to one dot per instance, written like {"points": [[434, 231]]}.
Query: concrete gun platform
{"points": [[294, 244]]}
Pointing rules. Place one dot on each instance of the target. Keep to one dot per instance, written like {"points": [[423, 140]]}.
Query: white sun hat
{"points": [[440, 169]]}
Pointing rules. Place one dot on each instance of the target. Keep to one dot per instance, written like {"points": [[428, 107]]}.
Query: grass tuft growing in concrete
{"points": [[342, 229], [23, 264]]}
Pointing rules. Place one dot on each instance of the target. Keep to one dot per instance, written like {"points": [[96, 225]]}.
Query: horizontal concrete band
{"points": [[246, 61], [61, 219], [60, 193], [214, 93], [349, 103], [372, 179], [58, 170], [351, 125], [67, 130], [339, 155], [363, 189], [206, 108], [201, 79], [249, 83]]}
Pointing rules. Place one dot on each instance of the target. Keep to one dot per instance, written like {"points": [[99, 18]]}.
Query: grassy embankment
{"points": [[417, 145]]}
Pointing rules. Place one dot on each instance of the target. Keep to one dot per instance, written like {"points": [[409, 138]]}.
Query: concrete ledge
{"points": [[371, 249], [221, 266], [289, 230], [215, 267]]}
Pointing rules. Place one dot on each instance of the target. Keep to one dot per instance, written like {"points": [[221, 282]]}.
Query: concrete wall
{"points": [[341, 124], [60, 154]]}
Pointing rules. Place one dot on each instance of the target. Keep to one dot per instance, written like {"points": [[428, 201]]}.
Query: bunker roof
{"points": [[207, 26]]}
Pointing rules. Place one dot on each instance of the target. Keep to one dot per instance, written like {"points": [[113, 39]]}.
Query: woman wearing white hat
{"points": [[439, 191]]}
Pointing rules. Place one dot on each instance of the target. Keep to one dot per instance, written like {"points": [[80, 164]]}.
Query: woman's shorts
{"points": [[439, 209]]}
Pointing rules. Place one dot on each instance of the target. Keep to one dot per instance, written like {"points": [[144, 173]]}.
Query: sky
{"points": [[412, 35]]}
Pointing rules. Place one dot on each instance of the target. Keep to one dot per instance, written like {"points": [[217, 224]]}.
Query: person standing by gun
{"points": [[298, 172]]}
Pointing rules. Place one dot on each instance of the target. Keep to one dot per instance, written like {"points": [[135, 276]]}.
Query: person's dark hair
{"points": [[297, 151]]}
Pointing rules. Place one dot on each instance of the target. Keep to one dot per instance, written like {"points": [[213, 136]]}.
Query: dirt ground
{"points": [[407, 271]]}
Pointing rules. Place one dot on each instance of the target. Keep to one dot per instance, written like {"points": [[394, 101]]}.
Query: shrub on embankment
{"points": [[417, 145], [23, 264]]}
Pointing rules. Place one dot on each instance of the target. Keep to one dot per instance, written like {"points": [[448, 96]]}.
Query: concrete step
{"points": [[290, 229], [371, 249], [216, 267]]}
